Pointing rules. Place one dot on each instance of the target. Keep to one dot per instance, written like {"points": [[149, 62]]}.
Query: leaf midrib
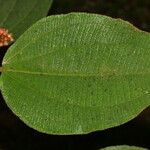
{"points": [[73, 74], [51, 74]]}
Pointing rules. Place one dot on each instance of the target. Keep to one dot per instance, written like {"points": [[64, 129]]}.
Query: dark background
{"points": [[15, 135]]}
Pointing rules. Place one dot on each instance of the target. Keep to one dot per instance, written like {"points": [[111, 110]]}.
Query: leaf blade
{"points": [[86, 79], [17, 15], [123, 147]]}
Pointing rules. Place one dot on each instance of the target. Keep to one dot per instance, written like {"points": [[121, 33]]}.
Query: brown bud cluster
{"points": [[5, 37]]}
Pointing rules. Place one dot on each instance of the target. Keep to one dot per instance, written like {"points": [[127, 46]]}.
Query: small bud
{"points": [[5, 37]]}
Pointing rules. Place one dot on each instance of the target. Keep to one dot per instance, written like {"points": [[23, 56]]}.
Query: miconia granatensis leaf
{"points": [[123, 147], [18, 15], [77, 73]]}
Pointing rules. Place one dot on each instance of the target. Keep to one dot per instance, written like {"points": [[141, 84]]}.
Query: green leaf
{"points": [[18, 15], [78, 73], [123, 147]]}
